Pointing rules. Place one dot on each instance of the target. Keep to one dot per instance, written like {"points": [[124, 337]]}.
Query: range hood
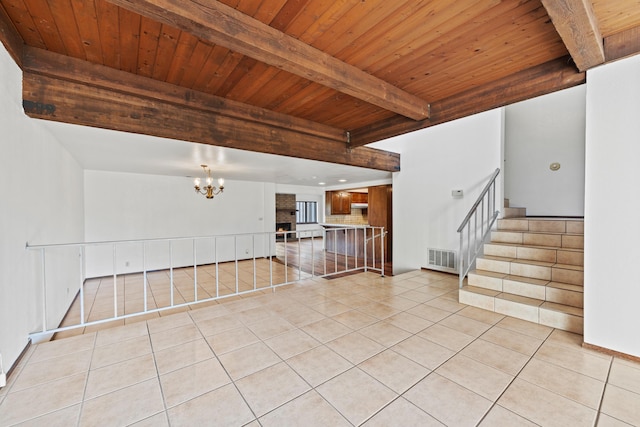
{"points": [[359, 206]]}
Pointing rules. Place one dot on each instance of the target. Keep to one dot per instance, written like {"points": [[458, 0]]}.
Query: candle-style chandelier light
{"points": [[209, 191]]}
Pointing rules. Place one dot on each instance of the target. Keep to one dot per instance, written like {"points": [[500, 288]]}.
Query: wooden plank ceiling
{"points": [[315, 79]]}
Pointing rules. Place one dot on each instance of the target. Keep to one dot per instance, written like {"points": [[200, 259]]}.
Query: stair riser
{"points": [[563, 296], [532, 254], [476, 300], [514, 212], [493, 265], [514, 309], [564, 321], [524, 289], [492, 283], [570, 257], [541, 226], [533, 271], [567, 276], [573, 241]]}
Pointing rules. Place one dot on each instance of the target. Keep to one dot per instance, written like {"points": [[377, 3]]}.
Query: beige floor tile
{"points": [[432, 314], [19, 406], [209, 312], [354, 301], [355, 319], [124, 406], [175, 336], [526, 328], [574, 359], [355, 347], [465, 325], [192, 381], [270, 327], [182, 355], [221, 407], [448, 402], [331, 308], [625, 375], [319, 365], [512, 340], [544, 407], [121, 333], [36, 373], [424, 352], [580, 388], [356, 395], [120, 351], [480, 315], [385, 333], [253, 315], [303, 316], [308, 410], [326, 330], [484, 380], [378, 310], [508, 361], [409, 322], [446, 304], [419, 297], [401, 412], [605, 420], [232, 339], [247, 360], [394, 370], [157, 420], [621, 404], [62, 418], [165, 323], [213, 326], [51, 349], [291, 343], [400, 303], [270, 388], [120, 375], [500, 417], [446, 337]]}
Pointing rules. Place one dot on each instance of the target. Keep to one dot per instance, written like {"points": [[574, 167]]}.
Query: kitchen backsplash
{"points": [[357, 217]]}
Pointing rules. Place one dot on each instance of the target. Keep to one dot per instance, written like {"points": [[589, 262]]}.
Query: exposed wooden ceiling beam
{"points": [[536, 81], [68, 90], [578, 27], [223, 25], [622, 44]]}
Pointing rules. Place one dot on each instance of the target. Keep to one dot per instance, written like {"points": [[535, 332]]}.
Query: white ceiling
{"points": [[108, 150]]}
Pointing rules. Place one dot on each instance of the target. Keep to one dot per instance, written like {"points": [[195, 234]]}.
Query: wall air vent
{"points": [[443, 260]]}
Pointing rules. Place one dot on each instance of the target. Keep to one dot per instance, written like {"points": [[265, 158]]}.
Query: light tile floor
{"points": [[359, 350]]}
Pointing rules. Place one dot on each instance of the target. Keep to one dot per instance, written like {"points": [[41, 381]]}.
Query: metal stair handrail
{"points": [[474, 243]]}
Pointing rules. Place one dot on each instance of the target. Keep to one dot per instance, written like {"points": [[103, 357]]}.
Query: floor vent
{"points": [[443, 260]]}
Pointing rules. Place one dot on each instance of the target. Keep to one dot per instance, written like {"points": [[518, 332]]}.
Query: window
{"points": [[306, 212]]}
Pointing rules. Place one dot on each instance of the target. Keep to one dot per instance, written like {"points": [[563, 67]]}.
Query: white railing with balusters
{"points": [[471, 247], [261, 262]]}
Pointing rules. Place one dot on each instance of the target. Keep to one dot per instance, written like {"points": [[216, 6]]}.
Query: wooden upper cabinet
{"points": [[338, 203], [359, 197]]}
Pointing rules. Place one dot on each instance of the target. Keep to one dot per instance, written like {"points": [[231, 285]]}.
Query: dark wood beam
{"points": [[225, 26], [63, 67], [79, 103], [10, 37], [578, 27], [622, 44], [536, 81]]}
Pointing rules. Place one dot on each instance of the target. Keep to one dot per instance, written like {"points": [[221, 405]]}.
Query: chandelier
{"points": [[209, 191]]}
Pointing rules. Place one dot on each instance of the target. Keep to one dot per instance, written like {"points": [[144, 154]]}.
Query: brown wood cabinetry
{"points": [[380, 213], [338, 202], [359, 198]]}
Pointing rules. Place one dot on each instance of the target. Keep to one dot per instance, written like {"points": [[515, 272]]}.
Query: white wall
{"points": [[457, 155], [127, 206], [40, 202], [306, 194], [538, 132], [612, 229]]}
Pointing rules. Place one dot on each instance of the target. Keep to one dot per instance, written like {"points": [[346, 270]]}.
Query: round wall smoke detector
{"points": [[554, 166]]}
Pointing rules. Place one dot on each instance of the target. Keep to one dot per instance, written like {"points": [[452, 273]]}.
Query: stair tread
{"points": [[482, 291], [488, 273], [532, 262], [570, 267], [520, 299], [566, 286], [528, 280]]}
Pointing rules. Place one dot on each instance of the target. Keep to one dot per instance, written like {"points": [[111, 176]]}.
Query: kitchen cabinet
{"points": [[380, 209], [338, 203], [359, 198]]}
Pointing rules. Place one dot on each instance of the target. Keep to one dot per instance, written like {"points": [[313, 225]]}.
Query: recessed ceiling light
{"points": [[342, 180], [321, 183]]}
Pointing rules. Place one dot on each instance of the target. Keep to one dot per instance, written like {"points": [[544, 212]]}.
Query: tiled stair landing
{"points": [[532, 270]]}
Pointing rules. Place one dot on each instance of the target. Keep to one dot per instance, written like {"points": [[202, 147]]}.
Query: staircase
{"points": [[533, 270]]}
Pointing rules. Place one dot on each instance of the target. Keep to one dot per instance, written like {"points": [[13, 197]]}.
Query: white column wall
{"points": [[612, 203], [459, 155], [41, 202], [127, 206]]}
